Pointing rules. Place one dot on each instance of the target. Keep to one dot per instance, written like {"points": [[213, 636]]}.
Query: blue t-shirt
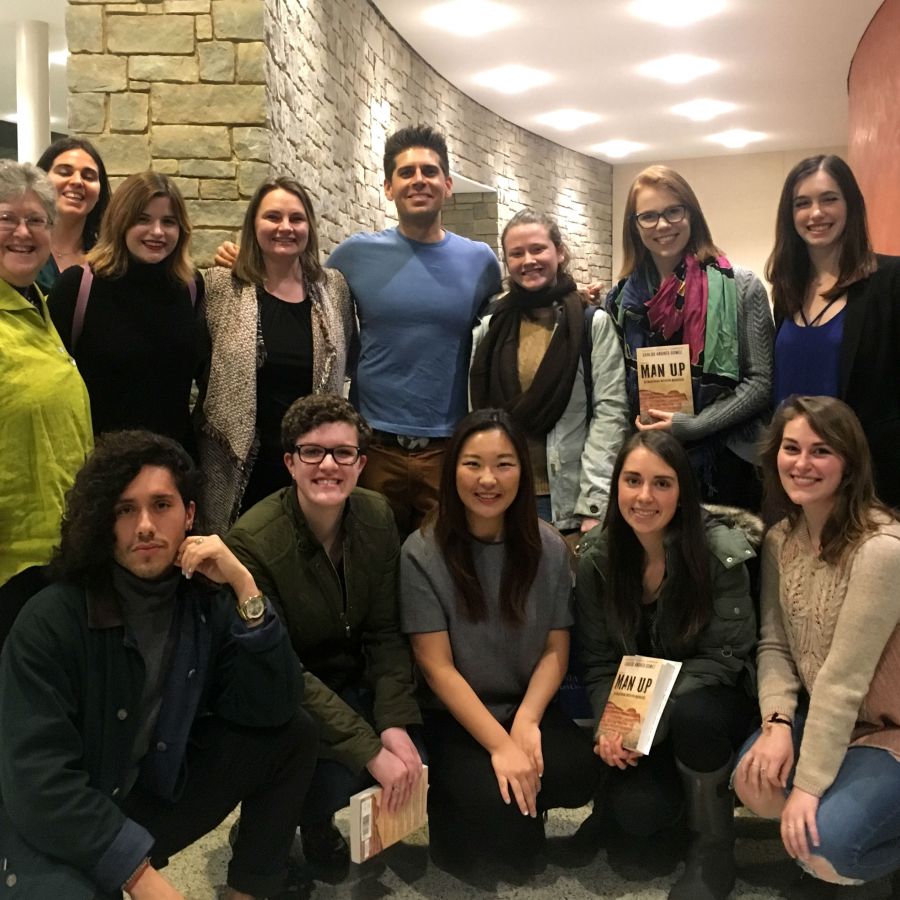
{"points": [[416, 305]]}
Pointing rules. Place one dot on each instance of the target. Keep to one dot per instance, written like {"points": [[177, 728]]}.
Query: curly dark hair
{"points": [[87, 539], [310, 412], [415, 136]]}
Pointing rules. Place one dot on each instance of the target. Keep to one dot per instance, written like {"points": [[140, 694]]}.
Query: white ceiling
{"points": [[784, 63]]}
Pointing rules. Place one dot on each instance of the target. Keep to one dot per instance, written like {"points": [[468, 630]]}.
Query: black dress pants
{"points": [[468, 821]]}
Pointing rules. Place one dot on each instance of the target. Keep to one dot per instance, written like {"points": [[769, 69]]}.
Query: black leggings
{"points": [[467, 818], [706, 727]]}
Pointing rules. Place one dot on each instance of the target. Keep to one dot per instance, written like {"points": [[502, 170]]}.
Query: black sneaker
{"points": [[325, 850]]}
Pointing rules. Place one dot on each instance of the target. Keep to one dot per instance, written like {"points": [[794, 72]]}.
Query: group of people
{"points": [[386, 581]]}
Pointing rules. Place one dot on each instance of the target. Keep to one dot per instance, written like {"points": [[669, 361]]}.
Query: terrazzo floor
{"points": [[404, 871]]}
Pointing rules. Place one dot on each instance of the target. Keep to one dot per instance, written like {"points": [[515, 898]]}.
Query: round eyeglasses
{"points": [[650, 219], [313, 454], [10, 222]]}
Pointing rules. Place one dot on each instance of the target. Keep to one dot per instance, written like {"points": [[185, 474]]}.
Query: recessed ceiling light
{"points": [[676, 13], [736, 137], [679, 68], [617, 148], [567, 119], [470, 18], [58, 57], [703, 110], [512, 79]]}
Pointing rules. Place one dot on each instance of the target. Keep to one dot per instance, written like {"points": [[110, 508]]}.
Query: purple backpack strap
{"points": [[84, 292]]}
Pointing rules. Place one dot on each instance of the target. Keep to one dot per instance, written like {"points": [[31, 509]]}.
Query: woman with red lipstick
{"points": [[837, 306], [827, 759], [281, 327], [676, 287], [82, 195], [530, 357], [662, 579], [129, 316], [485, 595]]}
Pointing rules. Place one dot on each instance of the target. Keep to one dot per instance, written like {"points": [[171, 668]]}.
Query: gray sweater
{"points": [[494, 656]]}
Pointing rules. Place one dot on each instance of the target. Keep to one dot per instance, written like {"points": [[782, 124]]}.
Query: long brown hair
{"points": [[687, 555], [855, 500], [522, 540], [250, 265], [634, 254], [110, 257], [788, 267]]}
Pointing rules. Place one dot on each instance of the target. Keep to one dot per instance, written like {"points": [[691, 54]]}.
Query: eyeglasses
{"points": [[650, 219], [10, 222], [313, 454]]}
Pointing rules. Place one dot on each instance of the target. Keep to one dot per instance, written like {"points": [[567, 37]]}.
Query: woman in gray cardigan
{"points": [[281, 326]]}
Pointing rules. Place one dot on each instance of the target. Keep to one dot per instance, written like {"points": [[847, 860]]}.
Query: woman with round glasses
{"points": [[837, 305], [326, 553], [45, 419], [676, 287], [281, 327]]}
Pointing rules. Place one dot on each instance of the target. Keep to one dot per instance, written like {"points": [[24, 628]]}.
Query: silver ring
{"points": [[197, 540]]}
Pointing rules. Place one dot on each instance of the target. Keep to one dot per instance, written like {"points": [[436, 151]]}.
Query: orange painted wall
{"points": [[874, 139]]}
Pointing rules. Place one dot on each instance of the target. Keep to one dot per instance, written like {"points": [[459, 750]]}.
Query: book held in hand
{"points": [[636, 702], [664, 380], [373, 828]]}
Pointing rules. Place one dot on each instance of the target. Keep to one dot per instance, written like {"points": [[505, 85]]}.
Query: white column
{"points": [[32, 89]]}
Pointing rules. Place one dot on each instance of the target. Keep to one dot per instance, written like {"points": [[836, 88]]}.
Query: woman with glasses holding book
{"points": [[837, 305], [676, 287], [326, 553], [662, 579], [45, 417], [826, 761], [486, 597], [281, 327]]}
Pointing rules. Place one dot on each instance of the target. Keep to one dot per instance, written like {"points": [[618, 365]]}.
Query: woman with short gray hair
{"points": [[45, 421]]}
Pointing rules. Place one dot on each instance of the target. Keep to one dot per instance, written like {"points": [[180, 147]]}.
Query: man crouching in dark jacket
{"points": [[139, 705]]}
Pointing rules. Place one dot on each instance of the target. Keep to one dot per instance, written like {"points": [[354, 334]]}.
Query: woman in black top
{"points": [[128, 315], [281, 326]]}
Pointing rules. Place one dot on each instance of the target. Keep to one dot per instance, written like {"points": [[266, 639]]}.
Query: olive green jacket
{"points": [[341, 645], [723, 651]]}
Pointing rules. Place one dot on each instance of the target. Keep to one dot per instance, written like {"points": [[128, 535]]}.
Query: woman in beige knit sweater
{"points": [[827, 759]]}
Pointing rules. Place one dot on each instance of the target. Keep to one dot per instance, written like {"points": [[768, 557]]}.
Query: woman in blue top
{"points": [[676, 287], [838, 307]]}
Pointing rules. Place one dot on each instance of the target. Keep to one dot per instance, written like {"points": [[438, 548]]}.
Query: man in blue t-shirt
{"points": [[418, 290]]}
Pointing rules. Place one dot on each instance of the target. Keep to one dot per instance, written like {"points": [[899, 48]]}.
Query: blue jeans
{"points": [[859, 815], [544, 509]]}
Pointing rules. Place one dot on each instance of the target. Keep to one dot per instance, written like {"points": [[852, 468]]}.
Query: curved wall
{"points": [[874, 142]]}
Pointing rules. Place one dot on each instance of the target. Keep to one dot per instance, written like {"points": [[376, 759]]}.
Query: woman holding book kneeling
{"points": [[663, 579], [486, 596], [827, 760]]}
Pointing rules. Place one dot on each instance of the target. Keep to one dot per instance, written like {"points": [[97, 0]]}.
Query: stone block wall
{"points": [[215, 92], [177, 86], [474, 216], [340, 79]]}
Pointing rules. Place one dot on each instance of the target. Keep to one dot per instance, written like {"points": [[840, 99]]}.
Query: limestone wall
{"points": [[177, 86], [211, 90]]}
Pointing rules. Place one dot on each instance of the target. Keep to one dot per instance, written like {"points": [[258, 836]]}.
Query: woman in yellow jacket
{"points": [[45, 419]]}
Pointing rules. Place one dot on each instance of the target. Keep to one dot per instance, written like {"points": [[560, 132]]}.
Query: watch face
{"points": [[253, 607]]}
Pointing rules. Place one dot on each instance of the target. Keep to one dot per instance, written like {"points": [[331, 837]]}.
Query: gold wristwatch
{"points": [[253, 608]]}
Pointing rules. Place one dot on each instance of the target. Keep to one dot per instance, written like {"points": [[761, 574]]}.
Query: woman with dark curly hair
{"points": [[82, 195], [837, 306]]}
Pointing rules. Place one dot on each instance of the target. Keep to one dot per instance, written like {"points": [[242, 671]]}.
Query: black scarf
{"points": [[494, 378]]}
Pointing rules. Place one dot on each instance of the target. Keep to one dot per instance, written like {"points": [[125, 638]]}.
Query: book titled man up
{"points": [[664, 380], [636, 702], [373, 828]]}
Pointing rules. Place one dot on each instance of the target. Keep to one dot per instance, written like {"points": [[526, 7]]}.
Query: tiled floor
{"points": [[404, 872]]}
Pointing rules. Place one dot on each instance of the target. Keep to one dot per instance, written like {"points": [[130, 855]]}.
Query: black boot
{"points": [[709, 871]]}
